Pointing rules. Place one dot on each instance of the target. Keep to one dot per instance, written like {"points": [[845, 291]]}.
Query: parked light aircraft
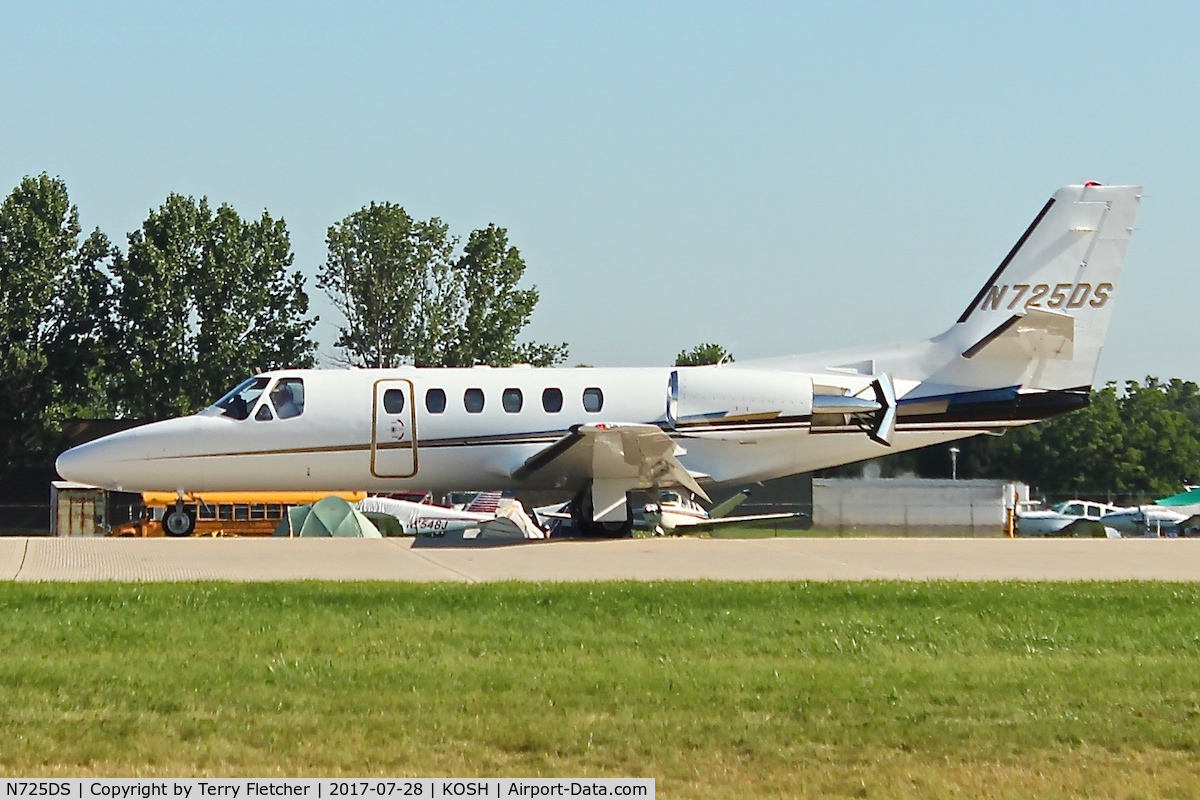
{"points": [[419, 518], [1151, 520], [1059, 519], [1023, 349], [675, 513]]}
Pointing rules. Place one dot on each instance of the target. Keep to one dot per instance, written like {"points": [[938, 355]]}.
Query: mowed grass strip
{"points": [[715, 689]]}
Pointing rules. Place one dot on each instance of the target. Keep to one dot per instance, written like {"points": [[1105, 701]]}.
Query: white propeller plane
{"points": [[673, 513], [1024, 348]]}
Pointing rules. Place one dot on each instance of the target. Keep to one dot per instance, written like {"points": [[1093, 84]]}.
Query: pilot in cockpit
{"points": [[284, 401]]}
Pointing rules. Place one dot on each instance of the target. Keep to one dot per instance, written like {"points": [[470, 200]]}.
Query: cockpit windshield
{"points": [[241, 399]]}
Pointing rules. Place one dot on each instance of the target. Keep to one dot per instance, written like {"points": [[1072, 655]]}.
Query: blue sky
{"points": [[777, 178]]}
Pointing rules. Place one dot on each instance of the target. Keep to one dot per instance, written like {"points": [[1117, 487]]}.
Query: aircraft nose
{"points": [[144, 458], [88, 463]]}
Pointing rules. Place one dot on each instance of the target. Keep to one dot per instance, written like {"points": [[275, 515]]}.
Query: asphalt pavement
{"points": [[673, 559]]}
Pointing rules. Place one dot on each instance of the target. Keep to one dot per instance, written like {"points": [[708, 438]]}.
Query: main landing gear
{"points": [[581, 515]]}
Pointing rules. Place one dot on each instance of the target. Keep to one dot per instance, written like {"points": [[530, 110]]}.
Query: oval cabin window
{"points": [[552, 401], [593, 400], [435, 401], [473, 400], [393, 401]]}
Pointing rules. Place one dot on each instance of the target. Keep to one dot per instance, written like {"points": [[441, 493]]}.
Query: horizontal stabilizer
{"points": [[724, 508], [1033, 335]]}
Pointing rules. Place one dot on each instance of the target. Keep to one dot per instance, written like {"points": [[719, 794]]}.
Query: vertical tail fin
{"points": [[1041, 319]]}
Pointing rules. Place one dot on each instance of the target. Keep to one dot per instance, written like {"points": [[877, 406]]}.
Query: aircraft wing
{"points": [[709, 524], [622, 456], [1082, 527]]}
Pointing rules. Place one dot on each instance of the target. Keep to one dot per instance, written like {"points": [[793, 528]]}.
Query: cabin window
{"points": [[435, 401], [1074, 510], [264, 413], [593, 400], [473, 400], [288, 398], [393, 401], [552, 400], [241, 399], [1095, 511], [512, 400]]}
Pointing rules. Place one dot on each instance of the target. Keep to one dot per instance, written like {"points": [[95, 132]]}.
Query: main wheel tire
{"points": [[581, 512], [178, 522]]}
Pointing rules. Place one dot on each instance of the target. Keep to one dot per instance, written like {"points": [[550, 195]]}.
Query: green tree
{"points": [[703, 354], [407, 298], [1144, 443], [205, 299], [55, 318], [495, 311], [391, 278]]}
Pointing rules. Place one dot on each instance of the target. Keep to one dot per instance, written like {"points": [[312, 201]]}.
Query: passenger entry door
{"points": [[393, 430]]}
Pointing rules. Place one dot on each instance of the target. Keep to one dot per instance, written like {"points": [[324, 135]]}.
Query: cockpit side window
{"points": [[238, 402], [288, 397]]}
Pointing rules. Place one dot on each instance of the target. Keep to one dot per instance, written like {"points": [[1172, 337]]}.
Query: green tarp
{"points": [[1189, 498], [329, 516]]}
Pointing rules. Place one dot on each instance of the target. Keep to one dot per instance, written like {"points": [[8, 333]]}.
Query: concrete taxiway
{"points": [[686, 559]]}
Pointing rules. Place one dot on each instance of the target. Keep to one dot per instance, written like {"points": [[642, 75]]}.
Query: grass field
{"points": [[715, 690]]}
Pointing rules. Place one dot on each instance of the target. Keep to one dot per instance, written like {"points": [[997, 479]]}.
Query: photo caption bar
{"points": [[322, 788]]}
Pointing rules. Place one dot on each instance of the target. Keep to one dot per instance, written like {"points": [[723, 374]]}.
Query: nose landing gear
{"points": [[179, 521]]}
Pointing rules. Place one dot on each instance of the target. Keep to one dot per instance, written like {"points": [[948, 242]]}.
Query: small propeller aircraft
{"points": [[418, 516], [1023, 349], [1062, 519], [673, 513], [1151, 520]]}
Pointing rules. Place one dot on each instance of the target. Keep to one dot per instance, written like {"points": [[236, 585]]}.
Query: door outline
{"points": [[379, 387]]}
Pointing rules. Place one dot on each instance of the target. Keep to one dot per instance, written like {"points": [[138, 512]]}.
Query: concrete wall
{"points": [[914, 506]]}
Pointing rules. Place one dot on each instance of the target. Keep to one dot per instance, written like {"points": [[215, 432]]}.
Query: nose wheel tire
{"points": [[178, 522]]}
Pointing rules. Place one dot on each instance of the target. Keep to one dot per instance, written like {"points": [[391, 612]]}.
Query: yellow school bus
{"points": [[221, 513]]}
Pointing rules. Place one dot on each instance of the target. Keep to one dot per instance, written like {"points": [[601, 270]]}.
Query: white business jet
{"points": [[1023, 349]]}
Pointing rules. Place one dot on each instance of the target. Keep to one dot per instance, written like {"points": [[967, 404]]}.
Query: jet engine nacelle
{"points": [[714, 396], [722, 394]]}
